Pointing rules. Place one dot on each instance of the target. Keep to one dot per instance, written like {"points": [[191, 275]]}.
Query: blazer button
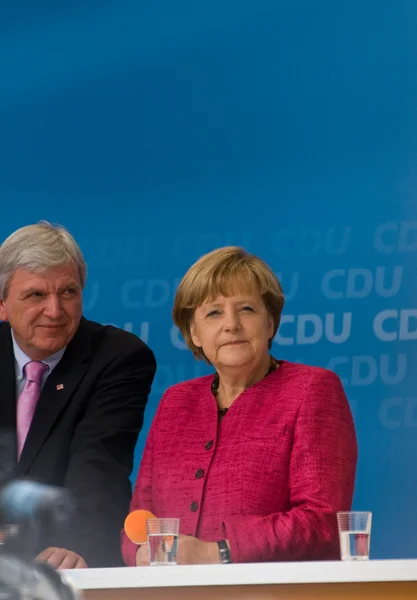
{"points": [[209, 445], [194, 506], [199, 473]]}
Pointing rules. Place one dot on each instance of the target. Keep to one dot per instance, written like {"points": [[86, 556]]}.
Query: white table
{"points": [[374, 579]]}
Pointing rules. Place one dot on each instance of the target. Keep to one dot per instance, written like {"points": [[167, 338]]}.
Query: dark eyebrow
{"points": [[36, 290], [71, 284], [32, 290]]}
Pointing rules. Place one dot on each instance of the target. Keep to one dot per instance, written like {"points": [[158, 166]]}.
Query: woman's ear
{"points": [[194, 336]]}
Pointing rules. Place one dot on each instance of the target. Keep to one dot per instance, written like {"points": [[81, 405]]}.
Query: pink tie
{"points": [[26, 403]]}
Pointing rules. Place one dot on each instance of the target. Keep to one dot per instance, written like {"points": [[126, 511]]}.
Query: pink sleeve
{"points": [[142, 493], [321, 482]]}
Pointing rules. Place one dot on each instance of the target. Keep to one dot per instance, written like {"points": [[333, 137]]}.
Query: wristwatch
{"points": [[224, 553]]}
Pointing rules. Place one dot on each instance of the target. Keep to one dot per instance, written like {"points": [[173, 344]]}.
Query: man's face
{"points": [[43, 309]]}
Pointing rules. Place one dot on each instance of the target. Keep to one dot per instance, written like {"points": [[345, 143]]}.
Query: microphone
{"points": [[135, 525], [19, 579], [22, 501]]}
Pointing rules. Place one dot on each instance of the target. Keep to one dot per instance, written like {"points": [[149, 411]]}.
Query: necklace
{"points": [[215, 384]]}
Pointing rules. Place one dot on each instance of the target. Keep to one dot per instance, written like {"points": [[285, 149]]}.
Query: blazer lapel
{"points": [[8, 447], [56, 393]]}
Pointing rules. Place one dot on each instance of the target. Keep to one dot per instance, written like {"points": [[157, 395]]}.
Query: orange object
{"points": [[135, 525]]}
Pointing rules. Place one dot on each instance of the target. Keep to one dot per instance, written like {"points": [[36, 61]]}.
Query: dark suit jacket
{"points": [[83, 436]]}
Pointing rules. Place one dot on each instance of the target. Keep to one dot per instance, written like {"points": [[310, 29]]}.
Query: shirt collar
{"points": [[21, 359]]}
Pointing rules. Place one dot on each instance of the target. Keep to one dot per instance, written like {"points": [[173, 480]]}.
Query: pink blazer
{"points": [[269, 477]]}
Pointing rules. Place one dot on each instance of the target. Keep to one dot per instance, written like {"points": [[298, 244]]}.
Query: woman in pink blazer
{"points": [[256, 459]]}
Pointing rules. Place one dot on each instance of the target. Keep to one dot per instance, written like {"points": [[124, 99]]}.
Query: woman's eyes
{"points": [[214, 313]]}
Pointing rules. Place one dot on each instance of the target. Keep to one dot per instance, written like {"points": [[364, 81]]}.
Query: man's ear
{"points": [[3, 315]]}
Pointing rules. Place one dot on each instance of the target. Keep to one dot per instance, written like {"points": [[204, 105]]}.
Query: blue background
{"points": [[156, 131]]}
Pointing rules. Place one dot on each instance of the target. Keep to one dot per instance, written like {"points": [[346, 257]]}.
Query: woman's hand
{"points": [[192, 551], [142, 555]]}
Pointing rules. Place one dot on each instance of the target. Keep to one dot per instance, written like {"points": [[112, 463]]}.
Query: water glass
{"points": [[163, 541], [354, 534]]}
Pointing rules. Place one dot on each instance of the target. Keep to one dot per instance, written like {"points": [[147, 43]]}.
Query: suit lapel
{"points": [[7, 379], [8, 448], [56, 393]]}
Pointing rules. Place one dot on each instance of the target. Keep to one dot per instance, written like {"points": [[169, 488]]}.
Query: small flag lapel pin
{"points": [[60, 386]]}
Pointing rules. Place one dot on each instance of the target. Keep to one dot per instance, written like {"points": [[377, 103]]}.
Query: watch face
{"points": [[224, 552]]}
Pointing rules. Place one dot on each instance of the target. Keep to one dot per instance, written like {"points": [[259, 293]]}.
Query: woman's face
{"points": [[233, 331]]}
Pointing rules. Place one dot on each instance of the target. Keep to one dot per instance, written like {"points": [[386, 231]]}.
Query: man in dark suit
{"points": [[74, 391]]}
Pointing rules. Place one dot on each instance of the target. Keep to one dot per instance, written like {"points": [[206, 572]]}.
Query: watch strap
{"points": [[224, 552]]}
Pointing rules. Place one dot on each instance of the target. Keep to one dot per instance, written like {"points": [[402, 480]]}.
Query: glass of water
{"points": [[163, 541], [354, 534]]}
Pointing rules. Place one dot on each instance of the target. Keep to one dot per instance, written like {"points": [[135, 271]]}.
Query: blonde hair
{"points": [[38, 248], [223, 272]]}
